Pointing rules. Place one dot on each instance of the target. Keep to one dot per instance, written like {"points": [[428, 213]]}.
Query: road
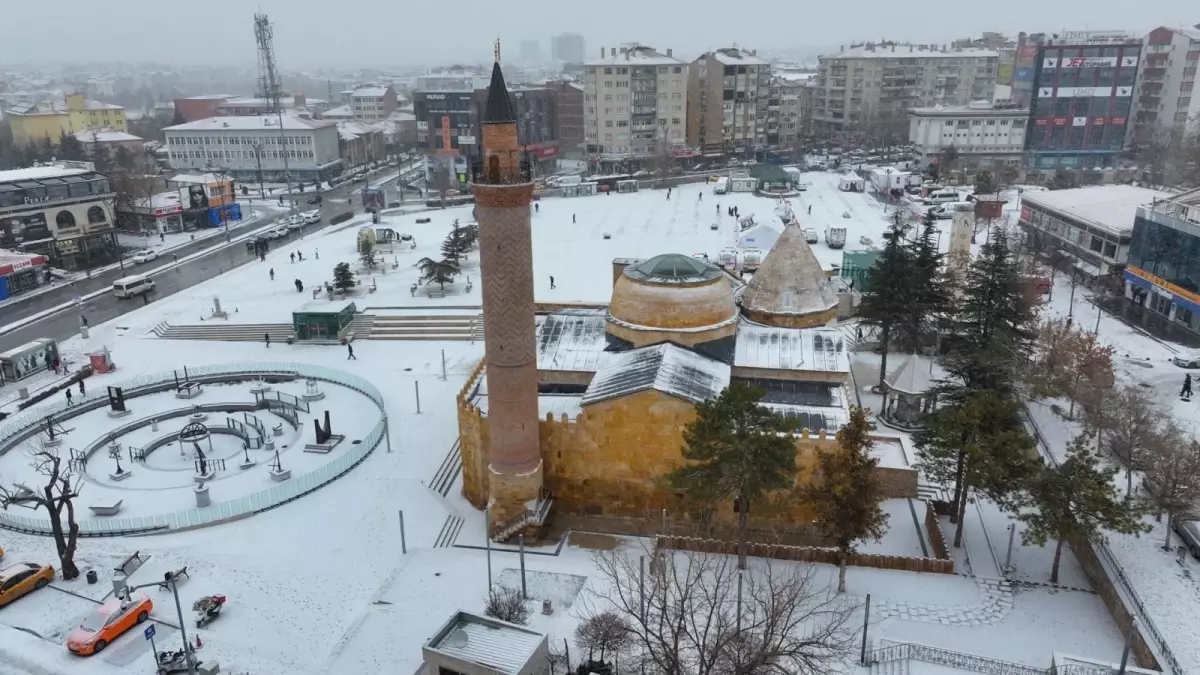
{"points": [[218, 259]]}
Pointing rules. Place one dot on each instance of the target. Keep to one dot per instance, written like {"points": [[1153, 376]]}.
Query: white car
{"points": [[311, 217], [144, 256], [277, 233], [294, 223], [1189, 361]]}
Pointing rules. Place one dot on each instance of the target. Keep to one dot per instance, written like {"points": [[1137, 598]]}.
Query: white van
{"points": [[722, 186], [131, 286], [942, 196]]}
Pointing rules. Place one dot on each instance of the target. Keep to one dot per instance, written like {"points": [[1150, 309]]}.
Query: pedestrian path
{"points": [[996, 601]]}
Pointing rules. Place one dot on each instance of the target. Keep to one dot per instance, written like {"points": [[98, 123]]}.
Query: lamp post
{"points": [[120, 589]]}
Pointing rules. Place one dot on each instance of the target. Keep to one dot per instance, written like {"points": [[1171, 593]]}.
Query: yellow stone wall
{"points": [[814, 320]]}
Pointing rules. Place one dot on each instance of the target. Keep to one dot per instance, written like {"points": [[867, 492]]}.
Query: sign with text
{"points": [[1083, 92], [1080, 62]]}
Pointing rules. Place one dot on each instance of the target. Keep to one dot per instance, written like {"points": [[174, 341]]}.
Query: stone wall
{"points": [[937, 541], [1108, 592], [827, 556], [897, 482]]}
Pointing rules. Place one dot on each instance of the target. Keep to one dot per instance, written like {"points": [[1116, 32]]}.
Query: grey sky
{"points": [[348, 33]]}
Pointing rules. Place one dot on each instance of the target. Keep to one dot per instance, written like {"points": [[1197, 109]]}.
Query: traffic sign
{"points": [[149, 632]]}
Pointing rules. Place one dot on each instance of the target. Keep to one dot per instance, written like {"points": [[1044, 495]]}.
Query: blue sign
{"points": [[149, 632]]}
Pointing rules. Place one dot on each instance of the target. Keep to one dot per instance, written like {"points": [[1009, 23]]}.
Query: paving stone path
{"points": [[992, 607]]}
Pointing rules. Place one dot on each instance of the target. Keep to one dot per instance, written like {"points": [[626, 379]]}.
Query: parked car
{"points": [[1189, 361], [311, 217], [278, 232], [100, 627], [23, 578], [315, 199], [254, 241], [144, 256]]}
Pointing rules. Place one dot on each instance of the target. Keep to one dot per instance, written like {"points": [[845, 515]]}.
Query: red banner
{"points": [[1041, 123], [1026, 214], [1118, 120], [1060, 121], [1098, 121]]}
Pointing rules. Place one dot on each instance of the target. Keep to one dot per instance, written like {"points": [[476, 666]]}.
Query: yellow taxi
{"points": [[17, 580]]}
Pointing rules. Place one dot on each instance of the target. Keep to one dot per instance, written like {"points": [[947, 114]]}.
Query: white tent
{"points": [[852, 183], [761, 236]]}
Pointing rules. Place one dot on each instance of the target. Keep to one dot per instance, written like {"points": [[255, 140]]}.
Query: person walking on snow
{"points": [[668, 194], [572, 218], [810, 209], [292, 256], [272, 273], [700, 197], [267, 339], [69, 402], [350, 352], [1186, 392], [82, 389], [317, 253], [551, 282], [536, 208]]}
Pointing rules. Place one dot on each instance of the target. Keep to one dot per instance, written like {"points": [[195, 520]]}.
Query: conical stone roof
{"points": [[790, 288]]}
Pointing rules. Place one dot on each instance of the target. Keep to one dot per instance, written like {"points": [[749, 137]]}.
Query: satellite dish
{"points": [[457, 639]]}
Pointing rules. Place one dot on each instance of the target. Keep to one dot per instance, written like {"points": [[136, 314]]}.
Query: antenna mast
{"points": [[268, 76]]}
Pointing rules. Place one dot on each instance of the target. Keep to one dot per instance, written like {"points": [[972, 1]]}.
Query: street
{"points": [[217, 259]]}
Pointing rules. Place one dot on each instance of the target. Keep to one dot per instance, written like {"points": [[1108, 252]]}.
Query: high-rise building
{"points": [[869, 88], [502, 183], [635, 107], [531, 52], [1080, 101], [567, 47], [727, 103], [1166, 98]]}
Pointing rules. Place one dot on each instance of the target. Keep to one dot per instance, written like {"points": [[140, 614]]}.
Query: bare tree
{"points": [[507, 604], [697, 614], [1171, 465], [57, 498], [1133, 420], [608, 633]]}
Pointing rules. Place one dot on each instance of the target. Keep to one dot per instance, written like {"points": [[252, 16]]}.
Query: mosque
{"points": [[614, 387]]}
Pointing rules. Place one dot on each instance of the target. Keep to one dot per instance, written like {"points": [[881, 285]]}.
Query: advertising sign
{"points": [[196, 197], [1080, 62], [1076, 92], [374, 199], [446, 132], [1079, 122], [466, 140]]}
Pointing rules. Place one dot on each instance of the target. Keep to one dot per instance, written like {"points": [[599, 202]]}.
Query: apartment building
{"points": [[791, 90], [567, 47], [985, 135], [728, 103], [249, 147], [870, 87], [62, 211], [450, 123], [1166, 99], [370, 103], [49, 120], [635, 107]]}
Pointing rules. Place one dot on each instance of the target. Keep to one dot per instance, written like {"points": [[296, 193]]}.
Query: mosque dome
{"points": [[671, 297], [790, 290]]}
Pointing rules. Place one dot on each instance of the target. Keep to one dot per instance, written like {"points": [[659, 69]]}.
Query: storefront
{"points": [[20, 272]]}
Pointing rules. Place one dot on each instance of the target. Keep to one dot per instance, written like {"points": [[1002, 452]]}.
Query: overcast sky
{"points": [[349, 33]]}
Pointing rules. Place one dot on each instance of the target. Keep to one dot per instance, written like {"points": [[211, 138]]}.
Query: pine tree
{"points": [[985, 184], [437, 271], [1076, 499], [975, 442], [736, 449], [844, 493], [887, 301], [928, 286], [366, 253], [456, 245], [124, 158], [343, 278], [69, 147]]}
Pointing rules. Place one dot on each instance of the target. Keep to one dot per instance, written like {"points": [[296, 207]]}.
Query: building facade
{"points": [[790, 119], [1163, 273], [449, 123], [985, 135], [728, 104], [568, 48], [63, 212], [371, 103], [872, 86], [1081, 100], [1167, 100], [249, 147], [635, 107], [49, 120], [568, 100], [1093, 226]]}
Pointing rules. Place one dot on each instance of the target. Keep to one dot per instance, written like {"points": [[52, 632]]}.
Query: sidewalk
{"points": [[174, 241]]}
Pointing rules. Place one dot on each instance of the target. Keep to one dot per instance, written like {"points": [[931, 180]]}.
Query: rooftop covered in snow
{"points": [[773, 348], [572, 340], [637, 55], [498, 646], [889, 51], [1108, 207], [251, 123], [667, 368]]}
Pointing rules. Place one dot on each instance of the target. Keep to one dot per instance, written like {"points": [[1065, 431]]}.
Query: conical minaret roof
{"points": [[790, 282], [499, 107]]}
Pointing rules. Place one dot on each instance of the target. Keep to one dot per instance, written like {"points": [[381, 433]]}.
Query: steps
{"points": [[897, 667], [422, 327], [220, 330], [443, 479], [931, 492], [361, 325]]}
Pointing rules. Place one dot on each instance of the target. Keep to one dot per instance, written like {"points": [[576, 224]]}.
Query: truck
{"points": [[835, 237], [885, 180]]}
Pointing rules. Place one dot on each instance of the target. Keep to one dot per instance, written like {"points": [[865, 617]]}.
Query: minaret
{"points": [[503, 189]]}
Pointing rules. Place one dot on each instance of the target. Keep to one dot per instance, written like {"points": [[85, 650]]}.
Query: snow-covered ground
{"points": [[322, 585]]}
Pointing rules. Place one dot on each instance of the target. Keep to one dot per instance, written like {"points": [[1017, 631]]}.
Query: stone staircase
{"points": [[219, 330], [898, 667], [930, 492], [419, 327]]}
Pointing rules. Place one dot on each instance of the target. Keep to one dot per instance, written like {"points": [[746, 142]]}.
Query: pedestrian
{"points": [[272, 273], [1186, 392], [810, 209], [552, 285], [350, 352], [175, 257], [572, 218], [292, 256], [145, 298], [317, 253], [299, 286], [83, 320], [300, 255], [718, 209], [82, 389], [859, 333], [69, 401], [536, 208], [267, 339], [700, 197]]}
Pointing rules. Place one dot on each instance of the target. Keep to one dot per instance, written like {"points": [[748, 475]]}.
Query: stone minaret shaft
{"points": [[503, 192]]}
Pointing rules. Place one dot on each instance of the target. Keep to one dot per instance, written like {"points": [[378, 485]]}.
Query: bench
{"points": [[181, 572], [110, 509], [131, 564], [188, 390]]}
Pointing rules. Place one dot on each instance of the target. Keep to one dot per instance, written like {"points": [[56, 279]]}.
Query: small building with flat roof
{"points": [[469, 644]]}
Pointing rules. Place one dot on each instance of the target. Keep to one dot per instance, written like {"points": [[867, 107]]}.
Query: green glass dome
{"points": [[672, 268]]}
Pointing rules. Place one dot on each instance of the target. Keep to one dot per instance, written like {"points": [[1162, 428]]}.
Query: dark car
{"points": [[252, 243], [315, 199]]}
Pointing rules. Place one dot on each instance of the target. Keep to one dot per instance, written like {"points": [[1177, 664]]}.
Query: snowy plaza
{"points": [[318, 577]]}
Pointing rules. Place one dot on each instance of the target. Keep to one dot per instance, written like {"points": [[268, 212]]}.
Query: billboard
{"points": [[197, 197], [374, 199]]}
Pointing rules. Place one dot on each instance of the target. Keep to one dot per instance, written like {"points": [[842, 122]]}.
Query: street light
{"points": [[121, 590]]}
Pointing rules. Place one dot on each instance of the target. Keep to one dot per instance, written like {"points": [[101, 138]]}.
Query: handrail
{"points": [[971, 662]]}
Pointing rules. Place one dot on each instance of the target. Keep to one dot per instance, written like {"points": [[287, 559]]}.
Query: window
{"points": [[608, 97], [95, 215], [608, 84], [64, 220], [608, 71]]}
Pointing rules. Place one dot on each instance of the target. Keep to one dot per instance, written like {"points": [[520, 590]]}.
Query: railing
{"points": [[262, 500], [1145, 623], [510, 171], [534, 516], [952, 659]]}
